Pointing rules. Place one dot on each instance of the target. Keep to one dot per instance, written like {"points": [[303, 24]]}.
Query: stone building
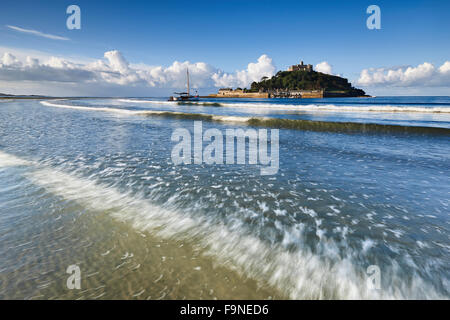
{"points": [[301, 67], [225, 91], [238, 93]]}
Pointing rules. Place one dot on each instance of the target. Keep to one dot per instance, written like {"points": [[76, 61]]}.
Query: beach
{"points": [[90, 182]]}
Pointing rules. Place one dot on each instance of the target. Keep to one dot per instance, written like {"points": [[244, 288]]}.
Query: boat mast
{"points": [[187, 71]]}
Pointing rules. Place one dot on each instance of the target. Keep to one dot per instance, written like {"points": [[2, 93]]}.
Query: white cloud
{"points": [[10, 60], [117, 61], [174, 76], [55, 69], [115, 71], [445, 68], [324, 67], [22, 54], [425, 75], [34, 72], [243, 78], [37, 33]]}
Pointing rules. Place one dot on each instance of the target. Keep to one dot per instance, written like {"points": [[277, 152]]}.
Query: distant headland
{"points": [[299, 81], [12, 96]]}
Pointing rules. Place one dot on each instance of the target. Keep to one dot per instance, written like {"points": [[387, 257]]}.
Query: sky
{"points": [[142, 48]]}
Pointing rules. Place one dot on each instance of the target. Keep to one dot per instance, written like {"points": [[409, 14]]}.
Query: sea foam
{"points": [[8, 160], [299, 274], [309, 107], [295, 124]]}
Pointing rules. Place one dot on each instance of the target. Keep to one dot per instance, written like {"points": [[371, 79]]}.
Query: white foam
{"points": [[336, 108], [8, 160], [312, 107], [85, 108], [298, 275], [145, 112], [231, 118], [149, 101]]}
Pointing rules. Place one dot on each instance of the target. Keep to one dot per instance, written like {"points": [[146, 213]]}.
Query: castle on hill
{"points": [[301, 67], [305, 84]]}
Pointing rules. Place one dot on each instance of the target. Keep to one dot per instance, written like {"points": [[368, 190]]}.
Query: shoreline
{"points": [[240, 97]]}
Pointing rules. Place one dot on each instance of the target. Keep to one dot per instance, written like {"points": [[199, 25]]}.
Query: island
{"points": [[299, 81]]}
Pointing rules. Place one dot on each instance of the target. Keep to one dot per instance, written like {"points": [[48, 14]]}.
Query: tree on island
{"points": [[304, 80]]}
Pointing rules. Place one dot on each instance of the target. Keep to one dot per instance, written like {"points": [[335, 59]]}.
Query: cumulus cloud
{"points": [[113, 75], [115, 70], [174, 76], [37, 33], [55, 69], [264, 67], [425, 74], [9, 60], [445, 68], [324, 67]]}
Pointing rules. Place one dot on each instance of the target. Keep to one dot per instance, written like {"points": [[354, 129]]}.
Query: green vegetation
{"points": [[303, 80]]}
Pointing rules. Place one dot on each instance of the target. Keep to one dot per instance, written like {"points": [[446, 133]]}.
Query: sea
{"points": [[92, 205]]}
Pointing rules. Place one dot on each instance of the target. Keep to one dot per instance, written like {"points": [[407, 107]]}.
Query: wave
{"points": [[180, 103], [309, 107], [335, 108], [147, 101], [86, 108], [344, 127], [203, 104], [8, 160], [299, 274], [168, 114], [295, 124]]}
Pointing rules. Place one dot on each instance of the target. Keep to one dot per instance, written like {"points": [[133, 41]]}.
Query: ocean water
{"points": [[90, 182]]}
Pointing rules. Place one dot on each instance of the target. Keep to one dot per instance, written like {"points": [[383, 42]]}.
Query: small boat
{"points": [[185, 96]]}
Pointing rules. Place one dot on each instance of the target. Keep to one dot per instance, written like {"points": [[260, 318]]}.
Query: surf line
{"points": [[292, 124]]}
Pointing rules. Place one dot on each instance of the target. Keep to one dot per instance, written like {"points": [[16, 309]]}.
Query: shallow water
{"points": [[97, 188]]}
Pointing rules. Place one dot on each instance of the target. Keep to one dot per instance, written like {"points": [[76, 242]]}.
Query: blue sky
{"points": [[228, 35]]}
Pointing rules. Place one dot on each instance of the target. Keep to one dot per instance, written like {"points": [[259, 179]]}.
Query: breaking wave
{"points": [[310, 107], [168, 114], [345, 127], [295, 124], [7, 160], [299, 274], [86, 108]]}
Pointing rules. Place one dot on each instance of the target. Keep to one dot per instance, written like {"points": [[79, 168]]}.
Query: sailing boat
{"points": [[185, 96]]}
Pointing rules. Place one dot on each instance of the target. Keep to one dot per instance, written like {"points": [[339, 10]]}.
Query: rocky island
{"points": [[299, 81]]}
